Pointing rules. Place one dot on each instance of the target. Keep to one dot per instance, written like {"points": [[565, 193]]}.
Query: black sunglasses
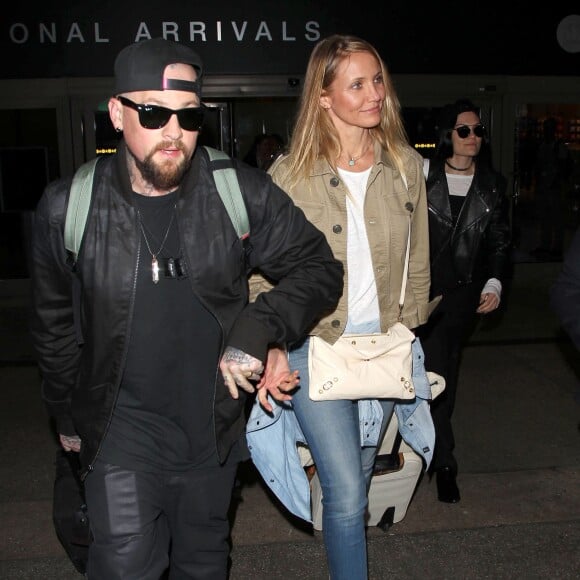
{"points": [[155, 117], [464, 130]]}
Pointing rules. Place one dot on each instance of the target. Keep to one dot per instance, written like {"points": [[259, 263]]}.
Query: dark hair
{"points": [[549, 126], [447, 121], [251, 157]]}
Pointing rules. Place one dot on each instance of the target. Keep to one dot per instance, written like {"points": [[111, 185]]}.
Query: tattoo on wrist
{"points": [[236, 355]]}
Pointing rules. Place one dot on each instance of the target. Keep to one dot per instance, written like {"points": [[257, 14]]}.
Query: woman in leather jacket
{"points": [[469, 237]]}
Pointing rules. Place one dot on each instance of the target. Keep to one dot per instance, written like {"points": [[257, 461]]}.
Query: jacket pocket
{"points": [[314, 212]]}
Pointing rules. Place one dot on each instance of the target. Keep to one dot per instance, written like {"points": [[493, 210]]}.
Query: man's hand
{"points": [[277, 379], [70, 442], [238, 369]]}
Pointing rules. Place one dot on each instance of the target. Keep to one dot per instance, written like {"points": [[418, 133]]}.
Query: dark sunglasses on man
{"points": [[463, 131], [155, 117]]}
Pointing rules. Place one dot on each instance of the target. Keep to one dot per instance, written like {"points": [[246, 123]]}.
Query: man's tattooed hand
{"points": [[238, 369], [70, 442]]}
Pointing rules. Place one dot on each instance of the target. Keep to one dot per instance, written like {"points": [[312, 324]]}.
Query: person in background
{"points": [[264, 150], [147, 369], [351, 170], [553, 167], [565, 291], [565, 296], [469, 240]]}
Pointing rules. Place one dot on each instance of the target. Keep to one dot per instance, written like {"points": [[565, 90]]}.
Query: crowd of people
{"points": [[152, 378]]}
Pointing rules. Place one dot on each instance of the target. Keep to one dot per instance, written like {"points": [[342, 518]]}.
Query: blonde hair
{"points": [[314, 134]]}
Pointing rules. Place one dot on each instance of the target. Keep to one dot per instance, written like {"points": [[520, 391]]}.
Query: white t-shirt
{"points": [[363, 305], [459, 185]]}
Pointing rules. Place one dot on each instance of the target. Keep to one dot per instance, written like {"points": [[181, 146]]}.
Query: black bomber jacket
{"points": [[80, 382]]}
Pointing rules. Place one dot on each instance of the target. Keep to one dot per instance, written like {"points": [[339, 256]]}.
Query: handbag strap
{"points": [[406, 268], [405, 272]]}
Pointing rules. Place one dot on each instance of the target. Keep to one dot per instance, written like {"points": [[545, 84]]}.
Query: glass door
{"points": [[29, 160]]}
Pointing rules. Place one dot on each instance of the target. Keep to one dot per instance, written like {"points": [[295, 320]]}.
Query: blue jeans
{"points": [[344, 467]]}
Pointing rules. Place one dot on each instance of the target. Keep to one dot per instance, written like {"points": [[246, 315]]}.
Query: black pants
{"points": [[143, 523], [442, 339]]}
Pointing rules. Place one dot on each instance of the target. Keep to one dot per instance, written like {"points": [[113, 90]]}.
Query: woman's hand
{"points": [[277, 379], [488, 302]]}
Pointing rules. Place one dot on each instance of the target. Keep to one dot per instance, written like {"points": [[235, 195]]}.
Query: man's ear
{"points": [[116, 113]]}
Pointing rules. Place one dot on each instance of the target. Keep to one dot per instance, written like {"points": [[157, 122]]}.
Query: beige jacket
{"points": [[323, 199]]}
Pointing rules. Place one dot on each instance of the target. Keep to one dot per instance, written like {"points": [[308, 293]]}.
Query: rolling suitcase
{"points": [[397, 471]]}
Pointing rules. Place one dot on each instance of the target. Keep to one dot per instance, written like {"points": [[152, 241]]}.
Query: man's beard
{"points": [[167, 174]]}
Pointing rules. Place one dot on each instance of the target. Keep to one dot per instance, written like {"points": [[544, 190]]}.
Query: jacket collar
{"points": [[322, 167], [475, 202]]}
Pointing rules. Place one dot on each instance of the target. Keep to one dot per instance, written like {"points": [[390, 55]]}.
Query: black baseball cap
{"points": [[140, 66]]}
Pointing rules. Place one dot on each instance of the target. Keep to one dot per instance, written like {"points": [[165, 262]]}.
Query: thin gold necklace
{"points": [[154, 262]]}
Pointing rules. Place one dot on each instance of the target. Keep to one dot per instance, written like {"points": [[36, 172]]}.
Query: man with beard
{"points": [[147, 345]]}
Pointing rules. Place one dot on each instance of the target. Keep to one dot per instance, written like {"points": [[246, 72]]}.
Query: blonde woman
{"points": [[350, 169]]}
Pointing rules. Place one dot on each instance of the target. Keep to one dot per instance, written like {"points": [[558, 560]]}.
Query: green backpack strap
{"points": [[77, 210], [228, 186], [81, 190]]}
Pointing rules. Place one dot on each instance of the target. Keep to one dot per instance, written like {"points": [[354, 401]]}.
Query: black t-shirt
{"points": [[163, 419]]}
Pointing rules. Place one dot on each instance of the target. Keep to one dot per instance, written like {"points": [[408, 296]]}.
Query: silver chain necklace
{"points": [[352, 160], [154, 262]]}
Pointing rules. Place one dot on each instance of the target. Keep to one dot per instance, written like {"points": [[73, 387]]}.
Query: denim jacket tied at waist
{"points": [[273, 439]]}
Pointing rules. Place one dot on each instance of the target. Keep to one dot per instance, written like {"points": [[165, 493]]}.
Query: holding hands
{"points": [[277, 380], [239, 368]]}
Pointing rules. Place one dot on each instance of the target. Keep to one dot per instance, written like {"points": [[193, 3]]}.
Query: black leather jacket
{"points": [[80, 383], [480, 241]]}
